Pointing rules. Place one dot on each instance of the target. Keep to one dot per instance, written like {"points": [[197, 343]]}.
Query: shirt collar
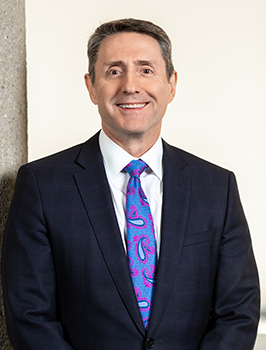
{"points": [[116, 158]]}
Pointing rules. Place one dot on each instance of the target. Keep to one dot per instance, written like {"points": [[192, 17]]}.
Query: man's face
{"points": [[131, 87]]}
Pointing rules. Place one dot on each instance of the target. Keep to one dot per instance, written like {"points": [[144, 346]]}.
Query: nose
{"points": [[130, 83]]}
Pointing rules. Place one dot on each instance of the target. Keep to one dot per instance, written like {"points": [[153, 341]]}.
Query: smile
{"points": [[134, 105]]}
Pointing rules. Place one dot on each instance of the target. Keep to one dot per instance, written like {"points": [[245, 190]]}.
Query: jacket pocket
{"points": [[199, 237]]}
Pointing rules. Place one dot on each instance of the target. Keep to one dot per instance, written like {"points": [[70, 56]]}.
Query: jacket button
{"points": [[150, 343]]}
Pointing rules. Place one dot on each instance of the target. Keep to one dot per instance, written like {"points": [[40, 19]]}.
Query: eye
{"points": [[147, 71], [113, 72]]}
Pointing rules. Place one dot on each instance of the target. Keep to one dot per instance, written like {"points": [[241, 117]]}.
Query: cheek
{"points": [[101, 89], [160, 90]]}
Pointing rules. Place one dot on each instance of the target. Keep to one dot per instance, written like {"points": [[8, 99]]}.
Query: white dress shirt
{"points": [[115, 159]]}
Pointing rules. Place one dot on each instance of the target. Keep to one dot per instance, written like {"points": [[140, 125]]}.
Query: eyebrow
{"points": [[137, 62], [145, 63]]}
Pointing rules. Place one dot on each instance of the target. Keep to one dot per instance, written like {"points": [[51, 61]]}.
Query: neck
{"points": [[135, 146]]}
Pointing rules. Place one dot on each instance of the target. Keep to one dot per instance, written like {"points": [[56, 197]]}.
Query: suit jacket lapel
{"points": [[94, 190], [176, 195]]}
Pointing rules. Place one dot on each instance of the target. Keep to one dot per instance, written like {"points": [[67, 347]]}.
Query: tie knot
{"points": [[135, 167]]}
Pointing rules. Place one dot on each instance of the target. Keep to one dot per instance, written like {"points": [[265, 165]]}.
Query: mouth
{"points": [[132, 105]]}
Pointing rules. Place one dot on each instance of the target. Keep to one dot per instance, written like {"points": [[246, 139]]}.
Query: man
{"points": [[70, 258]]}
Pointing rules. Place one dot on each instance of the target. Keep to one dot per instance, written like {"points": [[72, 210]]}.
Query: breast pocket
{"points": [[199, 237]]}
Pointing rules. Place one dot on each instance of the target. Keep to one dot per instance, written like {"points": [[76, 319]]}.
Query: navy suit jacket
{"points": [[66, 279]]}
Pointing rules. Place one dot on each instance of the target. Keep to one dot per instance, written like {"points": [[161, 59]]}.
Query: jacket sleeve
{"points": [[236, 303], [29, 282]]}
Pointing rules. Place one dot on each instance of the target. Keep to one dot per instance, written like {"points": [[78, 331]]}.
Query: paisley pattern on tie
{"points": [[143, 247], [133, 219], [141, 244]]}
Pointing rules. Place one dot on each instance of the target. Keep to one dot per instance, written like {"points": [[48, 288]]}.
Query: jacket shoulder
{"points": [[190, 160], [66, 159]]}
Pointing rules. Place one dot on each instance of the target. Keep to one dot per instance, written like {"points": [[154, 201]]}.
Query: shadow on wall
{"points": [[7, 183]]}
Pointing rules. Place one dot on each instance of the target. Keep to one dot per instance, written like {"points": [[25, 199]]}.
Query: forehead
{"points": [[129, 46]]}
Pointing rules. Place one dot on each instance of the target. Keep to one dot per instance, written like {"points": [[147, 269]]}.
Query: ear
{"points": [[91, 89], [173, 83]]}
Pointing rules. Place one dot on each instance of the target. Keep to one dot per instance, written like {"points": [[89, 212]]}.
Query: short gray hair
{"points": [[129, 25]]}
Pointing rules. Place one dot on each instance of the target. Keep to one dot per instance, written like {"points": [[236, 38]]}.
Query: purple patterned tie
{"points": [[141, 244]]}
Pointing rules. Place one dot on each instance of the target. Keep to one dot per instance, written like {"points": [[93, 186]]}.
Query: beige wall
{"points": [[219, 112]]}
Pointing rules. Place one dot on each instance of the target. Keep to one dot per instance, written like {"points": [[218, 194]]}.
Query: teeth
{"points": [[135, 105]]}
